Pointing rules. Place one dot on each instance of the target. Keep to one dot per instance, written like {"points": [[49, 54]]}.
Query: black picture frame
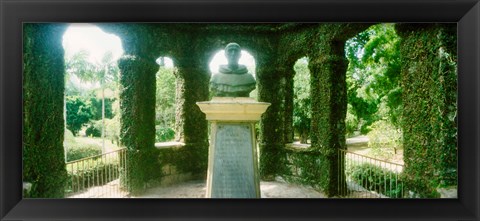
{"points": [[466, 13]]}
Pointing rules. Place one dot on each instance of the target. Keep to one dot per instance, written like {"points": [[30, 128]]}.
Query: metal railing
{"points": [[98, 176], [368, 177]]}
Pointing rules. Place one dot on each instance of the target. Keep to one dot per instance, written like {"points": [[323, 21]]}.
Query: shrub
{"points": [[164, 134], [78, 113], [77, 151], [93, 131], [377, 179]]}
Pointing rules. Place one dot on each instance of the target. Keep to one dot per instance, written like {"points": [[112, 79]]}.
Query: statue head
{"points": [[233, 53], [232, 80]]}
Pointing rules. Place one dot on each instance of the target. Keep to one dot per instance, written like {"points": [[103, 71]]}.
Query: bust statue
{"points": [[233, 79]]}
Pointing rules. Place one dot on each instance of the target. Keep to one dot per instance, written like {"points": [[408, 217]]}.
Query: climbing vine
{"points": [[43, 124], [428, 54], [429, 76]]}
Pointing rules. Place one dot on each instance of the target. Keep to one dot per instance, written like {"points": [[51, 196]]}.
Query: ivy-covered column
{"points": [[328, 66], [271, 89], [288, 121], [137, 104], [43, 122], [429, 82], [192, 128]]}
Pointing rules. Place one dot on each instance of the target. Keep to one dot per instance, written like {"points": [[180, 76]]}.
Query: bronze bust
{"points": [[233, 79]]}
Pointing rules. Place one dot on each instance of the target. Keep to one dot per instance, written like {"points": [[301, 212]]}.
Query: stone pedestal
{"points": [[232, 160]]}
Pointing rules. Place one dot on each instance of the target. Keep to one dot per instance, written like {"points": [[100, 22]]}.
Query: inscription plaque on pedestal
{"points": [[233, 172], [232, 157]]}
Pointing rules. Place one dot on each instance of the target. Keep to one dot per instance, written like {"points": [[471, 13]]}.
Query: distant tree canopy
{"points": [[373, 76], [302, 115], [96, 106], [165, 104], [84, 105], [165, 98], [373, 82], [103, 71], [79, 113]]}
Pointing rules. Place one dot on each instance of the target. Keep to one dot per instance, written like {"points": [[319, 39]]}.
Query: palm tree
{"points": [[104, 72]]}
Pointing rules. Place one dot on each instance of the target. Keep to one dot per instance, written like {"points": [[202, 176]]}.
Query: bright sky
{"points": [[245, 59], [92, 39]]}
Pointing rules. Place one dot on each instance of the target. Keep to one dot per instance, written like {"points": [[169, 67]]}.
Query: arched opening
{"points": [[165, 105], [92, 118], [374, 94], [301, 101], [374, 90], [428, 81]]}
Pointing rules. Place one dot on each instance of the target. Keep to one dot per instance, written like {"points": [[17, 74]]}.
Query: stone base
{"points": [[232, 161], [233, 109]]}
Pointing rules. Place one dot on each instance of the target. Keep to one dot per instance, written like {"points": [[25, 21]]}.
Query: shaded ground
{"points": [[109, 190], [197, 189]]}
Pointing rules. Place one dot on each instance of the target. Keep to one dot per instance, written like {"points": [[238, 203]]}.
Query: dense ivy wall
{"points": [[192, 48], [429, 82], [190, 54], [271, 139], [137, 104], [324, 45], [304, 166], [271, 89], [43, 122], [428, 75], [288, 115], [177, 166], [194, 88], [329, 105]]}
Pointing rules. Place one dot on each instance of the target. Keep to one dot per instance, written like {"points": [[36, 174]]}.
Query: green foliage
{"points": [[103, 71], [96, 108], [138, 121], [377, 179], [93, 130], [76, 151], [429, 82], [384, 139], [165, 98], [164, 134], [78, 113], [43, 121], [302, 100], [112, 129], [351, 122], [303, 167], [373, 75]]}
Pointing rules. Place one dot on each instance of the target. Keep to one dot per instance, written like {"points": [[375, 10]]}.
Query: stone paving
{"points": [[196, 189]]}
